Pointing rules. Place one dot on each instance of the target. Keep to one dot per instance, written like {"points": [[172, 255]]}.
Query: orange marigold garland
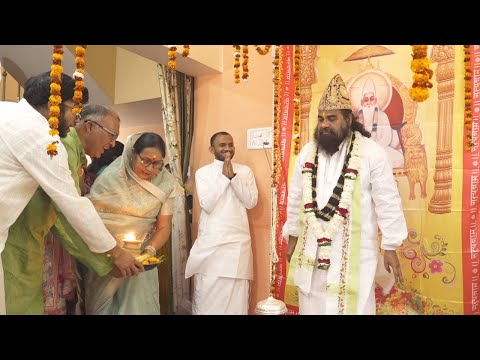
{"points": [[79, 75], [420, 65], [263, 51], [245, 62], [296, 101], [277, 159], [55, 98], [236, 65], [468, 99], [277, 156], [172, 56]]}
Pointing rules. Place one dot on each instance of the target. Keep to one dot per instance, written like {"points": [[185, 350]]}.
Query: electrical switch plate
{"points": [[260, 138]]}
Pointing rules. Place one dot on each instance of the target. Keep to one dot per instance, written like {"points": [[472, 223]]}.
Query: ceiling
{"points": [[159, 54], [28, 60], [140, 113], [35, 59]]}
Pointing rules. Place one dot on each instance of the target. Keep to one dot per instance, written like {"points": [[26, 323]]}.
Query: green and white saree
{"points": [[128, 204]]}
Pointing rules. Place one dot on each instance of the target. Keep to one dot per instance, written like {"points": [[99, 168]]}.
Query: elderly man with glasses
{"points": [[23, 256], [98, 129]]}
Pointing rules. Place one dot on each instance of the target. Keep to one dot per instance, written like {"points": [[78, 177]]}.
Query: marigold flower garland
{"points": [[468, 99], [236, 65], [296, 101], [78, 75], [263, 51], [237, 55], [325, 237], [245, 63], [277, 159], [172, 56], [55, 98], [420, 65]]}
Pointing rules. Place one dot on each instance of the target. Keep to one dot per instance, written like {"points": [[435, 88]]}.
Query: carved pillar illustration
{"points": [[307, 79], [441, 201]]}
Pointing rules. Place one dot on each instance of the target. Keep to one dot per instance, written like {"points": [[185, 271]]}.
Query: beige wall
{"points": [[100, 62], [11, 88], [136, 78], [127, 131], [222, 105], [210, 55]]}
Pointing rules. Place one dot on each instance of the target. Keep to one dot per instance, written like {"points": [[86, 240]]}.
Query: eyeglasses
{"points": [[79, 117], [114, 136], [147, 162]]}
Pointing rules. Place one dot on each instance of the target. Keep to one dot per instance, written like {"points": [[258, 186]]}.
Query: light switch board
{"points": [[260, 138]]}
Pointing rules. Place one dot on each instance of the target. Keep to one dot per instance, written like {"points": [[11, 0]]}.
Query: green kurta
{"points": [[23, 256]]}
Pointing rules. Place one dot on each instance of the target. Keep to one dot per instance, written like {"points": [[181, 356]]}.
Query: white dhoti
{"points": [[215, 295], [315, 303]]}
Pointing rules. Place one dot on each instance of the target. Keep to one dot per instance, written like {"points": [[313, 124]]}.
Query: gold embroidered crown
{"points": [[335, 96]]}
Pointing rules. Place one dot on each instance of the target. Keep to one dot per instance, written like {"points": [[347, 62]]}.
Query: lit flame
{"points": [[130, 237]]}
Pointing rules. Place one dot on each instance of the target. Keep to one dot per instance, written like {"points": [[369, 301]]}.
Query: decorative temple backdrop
{"points": [[435, 172]]}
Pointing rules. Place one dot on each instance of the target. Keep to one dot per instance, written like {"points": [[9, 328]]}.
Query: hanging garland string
{"points": [[55, 98], [296, 100], [79, 76], [277, 160], [245, 62], [468, 99], [420, 66], [277, 156], [236, 64], [263, 51], [172, 56]]}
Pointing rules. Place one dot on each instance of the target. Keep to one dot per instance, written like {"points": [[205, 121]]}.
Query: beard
{"points": [[368, 113], [329, 140], [63, 127]]}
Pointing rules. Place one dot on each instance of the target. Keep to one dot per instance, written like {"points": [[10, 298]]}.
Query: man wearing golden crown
{"points": [[342, 187]]}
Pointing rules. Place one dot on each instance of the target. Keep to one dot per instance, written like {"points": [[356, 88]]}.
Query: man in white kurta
{"points": [[25, 165], [221, 257], [347, 286]]}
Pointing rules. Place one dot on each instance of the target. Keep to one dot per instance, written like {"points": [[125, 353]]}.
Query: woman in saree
{"points": [[133, 195]]}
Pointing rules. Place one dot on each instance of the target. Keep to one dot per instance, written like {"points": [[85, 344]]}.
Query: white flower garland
{"points": [[324, 237]]}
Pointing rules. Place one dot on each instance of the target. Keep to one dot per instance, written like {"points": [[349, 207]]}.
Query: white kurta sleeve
{"points": [[244, 186], [210, 187], [294, 202], [54, 176], [384, 130], [388, 204]]}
